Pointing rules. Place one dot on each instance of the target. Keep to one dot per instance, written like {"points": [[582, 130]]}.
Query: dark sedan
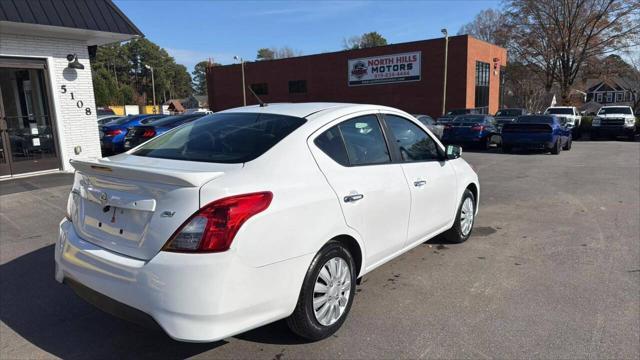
{"points": [[475, 130]]}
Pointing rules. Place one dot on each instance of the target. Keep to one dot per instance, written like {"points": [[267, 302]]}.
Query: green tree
{"points": [[366, 40], [120, 74], [265, 54]]}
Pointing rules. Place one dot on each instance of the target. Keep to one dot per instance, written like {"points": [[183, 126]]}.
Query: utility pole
{"points": [[153, 86], [244, 91], [446, 54]]}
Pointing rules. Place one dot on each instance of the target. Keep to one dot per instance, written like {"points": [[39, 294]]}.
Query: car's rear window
{"points": [[560, 111], [469, 119], [534, 120], [171, 120], [509, 112], [222, 138]]}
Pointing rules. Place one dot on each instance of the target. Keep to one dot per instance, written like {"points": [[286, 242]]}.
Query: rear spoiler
{"points": [[178, 177]]}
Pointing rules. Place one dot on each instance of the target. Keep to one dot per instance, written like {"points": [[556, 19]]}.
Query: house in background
{"points": [[613, 91]]}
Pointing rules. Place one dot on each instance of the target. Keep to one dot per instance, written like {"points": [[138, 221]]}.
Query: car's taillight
{"points": [[149, 133], [477, 127], [213, 227], [113, 132]]}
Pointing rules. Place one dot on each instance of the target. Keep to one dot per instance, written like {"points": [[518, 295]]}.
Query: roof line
{"points": [[126, 19], [348, 50]]}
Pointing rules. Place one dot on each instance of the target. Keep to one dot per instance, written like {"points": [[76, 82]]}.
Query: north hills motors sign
{"points": [[384, 69]]}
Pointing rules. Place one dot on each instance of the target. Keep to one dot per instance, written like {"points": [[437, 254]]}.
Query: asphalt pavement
{"points": [[552, 270]]}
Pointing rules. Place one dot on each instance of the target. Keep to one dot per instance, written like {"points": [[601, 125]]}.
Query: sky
{"points": [[192, 31]]}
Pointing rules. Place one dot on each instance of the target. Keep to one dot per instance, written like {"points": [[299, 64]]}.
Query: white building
{"points": [[47, 106]]}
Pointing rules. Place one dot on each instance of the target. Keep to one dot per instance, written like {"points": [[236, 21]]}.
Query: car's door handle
{"points": [[353, 198], [419, 183]]}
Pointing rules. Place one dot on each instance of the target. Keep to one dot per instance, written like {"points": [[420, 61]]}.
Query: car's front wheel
{"points": [[326, 295], [461, 229]]}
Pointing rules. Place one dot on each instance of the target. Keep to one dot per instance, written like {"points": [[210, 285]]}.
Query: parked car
{"points": [[614, 121], [473, 130], [112, 134], [138, 134], [428, 121], [508, 115], [256, 214], [451, 114], [102, 111], [537, 131], [105, 119], [197, 110], [569, 115]]}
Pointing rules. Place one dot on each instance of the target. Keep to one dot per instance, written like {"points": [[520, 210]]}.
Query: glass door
{"points": [[28, 136]]}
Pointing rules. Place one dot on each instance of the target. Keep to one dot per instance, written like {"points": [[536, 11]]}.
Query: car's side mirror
{"points": [[453, 152]]}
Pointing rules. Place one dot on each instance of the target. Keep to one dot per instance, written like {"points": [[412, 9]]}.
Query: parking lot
{"points": [[552, 270]]}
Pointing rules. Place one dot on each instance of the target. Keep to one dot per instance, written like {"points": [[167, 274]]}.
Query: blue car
{"points": [[141, 133], [112, 134], [474, 130], [536, 132]]}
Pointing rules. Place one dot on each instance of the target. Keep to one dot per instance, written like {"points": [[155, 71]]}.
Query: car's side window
{"points": [[364, 141], [414, 144], [330, 142]]}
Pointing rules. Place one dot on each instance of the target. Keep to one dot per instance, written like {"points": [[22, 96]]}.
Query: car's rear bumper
{"points": [[193, 297]]}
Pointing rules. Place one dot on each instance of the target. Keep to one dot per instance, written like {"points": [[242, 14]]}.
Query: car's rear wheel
{"points": [[567, 146], [461, 229], [555, 150], [326, 295]]}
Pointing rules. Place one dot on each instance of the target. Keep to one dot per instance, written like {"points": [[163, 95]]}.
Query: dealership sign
{"points": [[384, 69]]}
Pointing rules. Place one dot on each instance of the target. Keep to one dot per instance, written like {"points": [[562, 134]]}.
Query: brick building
{"points": [[408, 76], [47, 106]]}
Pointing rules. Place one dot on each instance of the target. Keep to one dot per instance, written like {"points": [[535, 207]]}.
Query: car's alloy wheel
{"points": [[466, 216], [462, 227], [326, 295], [332, 291]]}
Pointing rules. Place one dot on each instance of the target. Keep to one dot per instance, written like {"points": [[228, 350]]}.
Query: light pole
{"points": [[446, 54], [153, 86], [244, 91]]}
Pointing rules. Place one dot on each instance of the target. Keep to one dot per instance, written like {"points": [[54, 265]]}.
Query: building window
{"points": [[609, 97], [619, 97], [297, 86], [483, 72], [599, 97], [501, 90], [260, 89]]}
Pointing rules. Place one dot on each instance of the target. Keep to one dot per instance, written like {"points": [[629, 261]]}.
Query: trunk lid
{"points": [[132, 205], [526, 128]]}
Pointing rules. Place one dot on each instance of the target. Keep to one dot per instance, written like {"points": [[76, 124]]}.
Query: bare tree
{"points": [[559, 36], [489, 26]]}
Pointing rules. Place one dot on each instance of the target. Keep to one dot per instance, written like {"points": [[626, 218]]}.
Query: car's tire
{"points": [[486, 143], [340, 290], [463, 225], [567, 146], [555, 150], [507, 148], [632, 137]]}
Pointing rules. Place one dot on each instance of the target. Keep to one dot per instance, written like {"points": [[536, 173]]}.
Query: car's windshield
{"points": [[222, 138], [534, 120], [560, 111], [172, 120], [615, 110], [509, 112]]}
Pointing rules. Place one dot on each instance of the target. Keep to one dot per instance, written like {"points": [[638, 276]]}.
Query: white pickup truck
{"points": [[614, 121], [569, 117]]}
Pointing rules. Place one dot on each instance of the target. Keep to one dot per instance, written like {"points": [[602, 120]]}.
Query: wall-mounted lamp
{"points": [[74, 63]]}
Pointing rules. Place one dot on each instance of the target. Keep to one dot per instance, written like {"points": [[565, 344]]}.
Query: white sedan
{"points": [[259, 213]]}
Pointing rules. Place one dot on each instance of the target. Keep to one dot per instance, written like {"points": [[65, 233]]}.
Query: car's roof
{"points": [[301, 110], [551, 107]]}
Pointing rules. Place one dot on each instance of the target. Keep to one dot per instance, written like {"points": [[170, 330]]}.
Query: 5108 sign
{"points": [[79, 103]]}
